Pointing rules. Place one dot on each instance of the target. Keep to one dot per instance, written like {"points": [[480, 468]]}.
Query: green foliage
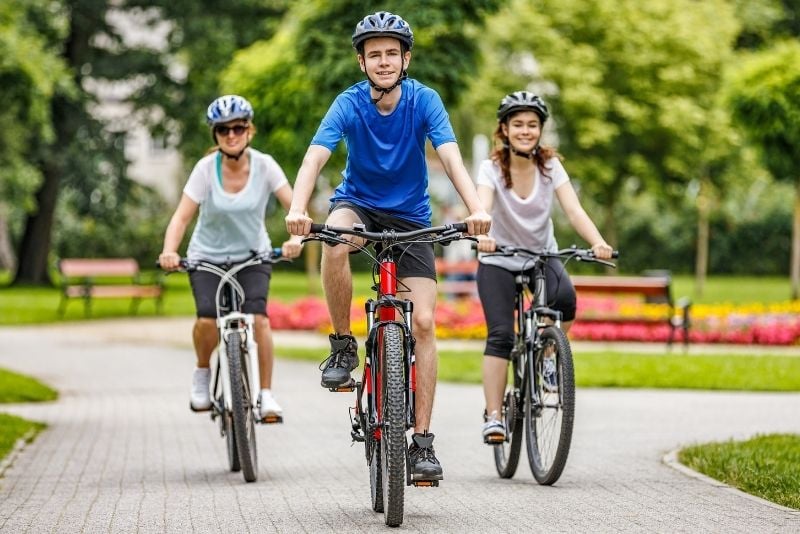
{"points": [[293, 77], [765, 97], [767, 466]]}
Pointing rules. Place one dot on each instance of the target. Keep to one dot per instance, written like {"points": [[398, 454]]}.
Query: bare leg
{"points": [[495, 376], [423, 295], [205, 339], [263, 333], [337, 280]]}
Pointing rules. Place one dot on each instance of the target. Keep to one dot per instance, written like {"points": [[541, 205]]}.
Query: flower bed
{"points": [[773, 324]]}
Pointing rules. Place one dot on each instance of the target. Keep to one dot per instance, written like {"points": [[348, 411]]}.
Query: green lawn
{"points": [[614, 369], [13, 428], [15, 387], [767, 466]]}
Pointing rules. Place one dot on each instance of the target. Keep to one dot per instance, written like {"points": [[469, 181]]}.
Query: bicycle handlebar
{"points": [[446, 232], [580, 254], [273, 256]]}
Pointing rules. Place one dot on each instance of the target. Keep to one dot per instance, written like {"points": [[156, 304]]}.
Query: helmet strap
{"points": [[385, 90], [526, 155], [234, 157]]}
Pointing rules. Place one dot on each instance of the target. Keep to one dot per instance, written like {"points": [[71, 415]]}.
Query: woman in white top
{"points": [[517, 186], [231, 186]]}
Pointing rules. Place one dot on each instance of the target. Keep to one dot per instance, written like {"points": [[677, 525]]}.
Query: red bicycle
{"points": [[381, 419]]}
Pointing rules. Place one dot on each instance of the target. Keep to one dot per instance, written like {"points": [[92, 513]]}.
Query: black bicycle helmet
{"points": [[522, 101], [383, 24]]}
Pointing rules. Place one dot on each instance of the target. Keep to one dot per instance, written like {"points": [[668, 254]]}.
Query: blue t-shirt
{"points": [[386, 169]]}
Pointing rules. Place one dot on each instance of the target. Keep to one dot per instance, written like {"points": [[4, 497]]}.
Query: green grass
{"points": [[614, 369], [15, 387], [734, 289], [13, 428], [767, 466]]}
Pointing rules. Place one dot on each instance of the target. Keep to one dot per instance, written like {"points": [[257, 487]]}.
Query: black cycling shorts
{"points": [[254, 280], [414, 259]]}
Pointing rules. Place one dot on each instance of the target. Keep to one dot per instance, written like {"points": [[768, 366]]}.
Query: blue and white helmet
{"points": [[227, 108]]}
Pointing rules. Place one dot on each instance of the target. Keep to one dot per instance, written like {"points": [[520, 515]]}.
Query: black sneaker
{"points": [[424, 465], [343, 359]]}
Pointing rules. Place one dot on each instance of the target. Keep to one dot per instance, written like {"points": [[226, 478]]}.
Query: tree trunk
{"points": [[7, 259], [701, 261], [795, 268]]}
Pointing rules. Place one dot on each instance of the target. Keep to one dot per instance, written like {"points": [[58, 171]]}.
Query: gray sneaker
{"points": [[494, 430], [343, 359], [424, 464], [549, 371]]}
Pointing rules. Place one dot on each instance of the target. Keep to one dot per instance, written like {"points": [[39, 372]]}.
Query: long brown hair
{"points": [[502, 155]]}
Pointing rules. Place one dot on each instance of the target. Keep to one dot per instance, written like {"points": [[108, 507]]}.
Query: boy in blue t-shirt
{"points": [[385, 121]]}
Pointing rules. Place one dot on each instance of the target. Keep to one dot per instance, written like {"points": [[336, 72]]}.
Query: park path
{"points": [[122, 452]]}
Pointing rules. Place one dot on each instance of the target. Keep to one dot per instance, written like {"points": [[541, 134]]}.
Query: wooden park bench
{"points": [[654, 288], [93, 278]]}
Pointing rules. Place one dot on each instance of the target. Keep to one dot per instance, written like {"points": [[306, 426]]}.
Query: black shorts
{"points": [[413, 260], [254, 280]]}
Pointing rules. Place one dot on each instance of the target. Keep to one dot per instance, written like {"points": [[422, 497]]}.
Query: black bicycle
{"points": [[235, 379], [541, 388], [389, 378]]}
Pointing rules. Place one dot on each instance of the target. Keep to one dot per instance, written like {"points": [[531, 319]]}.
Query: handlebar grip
{"points": [[277, 252], [615, 254], [317, 228], [460, 227]]}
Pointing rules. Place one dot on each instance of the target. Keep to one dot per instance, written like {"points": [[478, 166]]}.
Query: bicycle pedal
{"points": [[425, 483], [346, 388], [357, 436], [493, 439], [272, 419]]}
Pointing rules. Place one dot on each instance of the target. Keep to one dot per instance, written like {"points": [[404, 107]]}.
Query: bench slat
{"points": [[84, 267]]}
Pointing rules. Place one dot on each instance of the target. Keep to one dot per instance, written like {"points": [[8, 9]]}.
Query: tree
{"points": [[631, 86], [30, 74], [765, 98]]}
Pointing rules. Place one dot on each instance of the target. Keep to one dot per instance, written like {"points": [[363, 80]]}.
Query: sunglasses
{"points": [[237, 130]]}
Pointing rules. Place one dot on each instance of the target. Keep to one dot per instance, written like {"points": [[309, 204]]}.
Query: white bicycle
{"points": [[235, 378]]}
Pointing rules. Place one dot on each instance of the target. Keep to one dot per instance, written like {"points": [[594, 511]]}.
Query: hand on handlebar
{"points": [[298, 223], [602, 251], [292, 248], [169, 261], [486, 244], [478, 223]]}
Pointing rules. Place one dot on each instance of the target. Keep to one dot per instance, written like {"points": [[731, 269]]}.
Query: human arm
{"points": [[581, 222], [486, 196], [297, 220], [294, 245], [169, 258], [478, 221]]}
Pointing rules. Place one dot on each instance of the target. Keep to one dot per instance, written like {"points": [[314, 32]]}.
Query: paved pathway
{"points": [[124, 454]]}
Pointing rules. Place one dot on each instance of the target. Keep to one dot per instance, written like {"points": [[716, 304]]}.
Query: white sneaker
{"points": [[200, 399], [268, 408], [494, 430]]}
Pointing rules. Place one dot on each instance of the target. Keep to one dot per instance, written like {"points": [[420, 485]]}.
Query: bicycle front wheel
{"points": [[244, 424], [550, 406], [393, 432]]}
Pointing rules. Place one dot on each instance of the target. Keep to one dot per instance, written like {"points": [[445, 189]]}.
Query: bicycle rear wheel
{"points": [[393, 431], [550, 407], [244, 424]]}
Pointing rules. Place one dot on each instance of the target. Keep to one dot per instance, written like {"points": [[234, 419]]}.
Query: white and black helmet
{"points": [[522, 101], [227, 108]]}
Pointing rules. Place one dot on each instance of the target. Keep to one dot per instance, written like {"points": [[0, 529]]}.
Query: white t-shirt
{"points": [[522, 222], [231, 225]]}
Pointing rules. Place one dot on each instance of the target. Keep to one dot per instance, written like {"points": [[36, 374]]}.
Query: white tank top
{"points": [[522, 222], [231, 225]]}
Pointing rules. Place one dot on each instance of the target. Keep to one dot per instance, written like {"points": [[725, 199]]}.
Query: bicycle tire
{"points": [[376, 477], [393, 431], [226, 424], [506, 454], [244, 425], [549, 416]]}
